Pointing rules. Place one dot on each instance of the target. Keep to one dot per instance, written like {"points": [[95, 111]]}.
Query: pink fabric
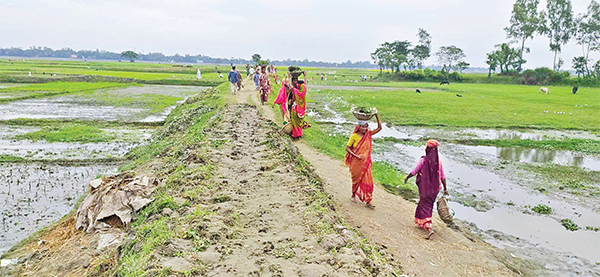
{"points": [[420, 165], [281, 99]]}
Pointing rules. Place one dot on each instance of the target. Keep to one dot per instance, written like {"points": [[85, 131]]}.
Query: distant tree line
{"points": [[46, 52], [560, 26], [397, 54]]}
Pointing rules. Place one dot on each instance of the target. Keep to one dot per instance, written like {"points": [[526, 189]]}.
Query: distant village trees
{"points": [[130, 55]]}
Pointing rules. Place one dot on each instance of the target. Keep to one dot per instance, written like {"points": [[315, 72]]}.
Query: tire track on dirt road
{"points": [[391, 223]]}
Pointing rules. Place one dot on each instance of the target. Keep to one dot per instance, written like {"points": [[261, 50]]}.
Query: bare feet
{"points": [[431, 232], [353, 199], [369, 205]]}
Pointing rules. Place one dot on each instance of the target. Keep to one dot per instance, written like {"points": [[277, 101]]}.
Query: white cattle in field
{"points": [[544, 90]]}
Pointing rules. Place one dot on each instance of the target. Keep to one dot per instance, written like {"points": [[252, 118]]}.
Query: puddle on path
{"points": [[35, 195]]}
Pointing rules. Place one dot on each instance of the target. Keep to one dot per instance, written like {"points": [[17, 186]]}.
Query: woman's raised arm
{"points": [[378, 125]]}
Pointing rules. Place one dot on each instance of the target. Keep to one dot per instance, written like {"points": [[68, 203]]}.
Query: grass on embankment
{"points": [[480, 105], [53, 88]]}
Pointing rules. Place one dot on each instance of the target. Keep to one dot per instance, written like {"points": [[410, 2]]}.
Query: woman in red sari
{"points": [[358, 160], [430, 178]]}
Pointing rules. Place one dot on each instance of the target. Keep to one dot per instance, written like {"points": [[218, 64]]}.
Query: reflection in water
{"points": [[541, 156]]}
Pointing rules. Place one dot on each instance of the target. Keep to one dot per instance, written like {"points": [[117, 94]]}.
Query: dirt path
{"points": [[449, 253]]}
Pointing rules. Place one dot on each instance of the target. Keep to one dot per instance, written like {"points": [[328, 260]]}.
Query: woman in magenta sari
{"points": [[430, 178]]}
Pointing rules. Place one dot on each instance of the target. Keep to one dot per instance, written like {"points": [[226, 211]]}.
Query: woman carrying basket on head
{"points": [[358, 160], [430, 178]]}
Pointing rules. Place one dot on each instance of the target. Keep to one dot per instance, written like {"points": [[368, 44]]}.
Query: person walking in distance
{"points": [[233, 77]]}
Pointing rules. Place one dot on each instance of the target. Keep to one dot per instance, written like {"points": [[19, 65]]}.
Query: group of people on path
{"points": [[429, 173], [430, 177]]}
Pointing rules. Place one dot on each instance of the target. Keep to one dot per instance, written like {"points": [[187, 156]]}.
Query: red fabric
{"points": [[362, 170]]}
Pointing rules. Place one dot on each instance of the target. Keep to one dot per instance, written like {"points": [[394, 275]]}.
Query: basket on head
{"points": [[296, 74], [364, 116]]}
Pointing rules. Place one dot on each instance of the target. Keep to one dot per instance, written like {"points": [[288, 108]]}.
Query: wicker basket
{"points": [[287, 128], [296, 74], [364, 116], [443, 210]]}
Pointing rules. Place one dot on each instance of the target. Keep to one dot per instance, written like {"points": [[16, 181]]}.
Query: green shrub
{"points": [[542, 76]]}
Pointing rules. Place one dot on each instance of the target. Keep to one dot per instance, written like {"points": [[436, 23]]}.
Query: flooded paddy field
{"points": [[34, 195], [131, 104], [510, 196], [121, 141], [45, 165]]}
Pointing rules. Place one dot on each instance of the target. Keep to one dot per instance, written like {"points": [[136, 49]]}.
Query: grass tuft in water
{"points": [[542, 209], [569, 224]]}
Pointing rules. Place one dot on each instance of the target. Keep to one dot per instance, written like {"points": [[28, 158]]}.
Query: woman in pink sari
{"points": [[430, 178], [282, 101], [358, 160]]}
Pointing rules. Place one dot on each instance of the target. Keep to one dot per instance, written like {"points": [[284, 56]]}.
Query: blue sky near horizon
{"points": [[332, 30]]}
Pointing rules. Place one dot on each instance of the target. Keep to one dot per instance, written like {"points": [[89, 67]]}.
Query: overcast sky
{"points": [[327, 30]]}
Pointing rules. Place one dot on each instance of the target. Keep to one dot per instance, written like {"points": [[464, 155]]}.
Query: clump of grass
{"points": [[569, 224], [542, 209], [69, 133], [592, 228], [221, 198], [10, 159]]}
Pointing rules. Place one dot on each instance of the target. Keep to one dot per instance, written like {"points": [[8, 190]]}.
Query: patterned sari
{"points": [[362, 170], [298, 110], [264, 87]]}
